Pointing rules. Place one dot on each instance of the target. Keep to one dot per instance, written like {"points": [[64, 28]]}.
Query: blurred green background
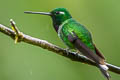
{"points": [[27, 62]]}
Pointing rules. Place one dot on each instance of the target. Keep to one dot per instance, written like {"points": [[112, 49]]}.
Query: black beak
{"points": [[42, 13]]}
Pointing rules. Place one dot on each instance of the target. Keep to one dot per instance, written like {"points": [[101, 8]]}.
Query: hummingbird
{"points": [[76, 36]]}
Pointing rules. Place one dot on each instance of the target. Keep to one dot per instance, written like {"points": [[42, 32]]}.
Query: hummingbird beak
{"points": [[42, 13]]}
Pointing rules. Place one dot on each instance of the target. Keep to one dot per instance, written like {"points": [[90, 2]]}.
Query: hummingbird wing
{"points": [[98, 53], [84, 49], [90, 54]]}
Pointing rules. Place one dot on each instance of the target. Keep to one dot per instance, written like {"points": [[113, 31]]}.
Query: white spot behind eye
{"points": [[62, 13]]}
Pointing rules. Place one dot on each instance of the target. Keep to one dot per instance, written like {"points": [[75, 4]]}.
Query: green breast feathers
{"points": [[70, 26]]}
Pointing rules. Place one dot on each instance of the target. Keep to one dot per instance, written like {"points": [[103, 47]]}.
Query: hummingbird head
{"points": [[58, 15]]}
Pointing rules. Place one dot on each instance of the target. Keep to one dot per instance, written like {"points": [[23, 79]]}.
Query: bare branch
{"points": [[51, 47]]}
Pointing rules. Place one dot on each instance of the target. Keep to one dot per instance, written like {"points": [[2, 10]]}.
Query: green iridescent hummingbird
{"points": [[75, 36]]}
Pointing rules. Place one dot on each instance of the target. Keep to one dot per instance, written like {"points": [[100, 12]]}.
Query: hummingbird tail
{"points": [[103, 69]]}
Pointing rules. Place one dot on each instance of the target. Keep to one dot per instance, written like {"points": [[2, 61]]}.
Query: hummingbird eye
{"points": [[57, 12]]}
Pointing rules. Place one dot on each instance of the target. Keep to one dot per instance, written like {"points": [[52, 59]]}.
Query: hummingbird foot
{"points": [[18, 34], [77, 52]]}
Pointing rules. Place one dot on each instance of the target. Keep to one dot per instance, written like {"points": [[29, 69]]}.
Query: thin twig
{"points": [[51, 47]]}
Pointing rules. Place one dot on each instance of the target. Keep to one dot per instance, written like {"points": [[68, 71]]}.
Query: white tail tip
{"points": [[104, 67]]}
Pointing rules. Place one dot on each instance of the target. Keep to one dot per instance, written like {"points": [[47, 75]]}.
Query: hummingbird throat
{"points": [[58, 22]]}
